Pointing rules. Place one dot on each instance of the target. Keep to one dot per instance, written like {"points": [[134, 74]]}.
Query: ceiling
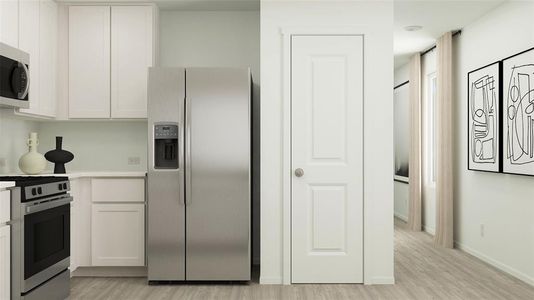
{"points": [[187, 4], [436, 17]]}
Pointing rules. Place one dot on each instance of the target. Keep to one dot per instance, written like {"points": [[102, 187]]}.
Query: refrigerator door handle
{"points": [[187, 164]]}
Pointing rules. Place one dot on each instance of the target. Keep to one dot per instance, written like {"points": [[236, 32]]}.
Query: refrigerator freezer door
{"points": [[218, 161], [165, 186]]}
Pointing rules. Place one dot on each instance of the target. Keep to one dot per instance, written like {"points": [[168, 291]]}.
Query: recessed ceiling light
{"points": [[413, 28]]}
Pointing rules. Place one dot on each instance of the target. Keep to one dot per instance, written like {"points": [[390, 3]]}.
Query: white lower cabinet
{"points": [[5, 262], [118, 234], [107, 222], [74, 231]]}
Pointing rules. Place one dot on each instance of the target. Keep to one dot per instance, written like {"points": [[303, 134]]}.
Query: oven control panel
{"points": [[47, 189]]}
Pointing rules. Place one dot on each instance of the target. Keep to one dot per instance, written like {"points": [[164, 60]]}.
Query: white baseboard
{"points": [[429, 230], [497, 264], [380, 280], [402, 217], [109, 272], [270, 280]]}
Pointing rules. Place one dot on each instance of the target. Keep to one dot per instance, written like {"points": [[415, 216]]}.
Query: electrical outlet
{"points": [[135, 160], [482, 230]]}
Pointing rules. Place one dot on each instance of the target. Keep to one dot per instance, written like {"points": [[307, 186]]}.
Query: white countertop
{"points": [[74, 175], [6, 184]]}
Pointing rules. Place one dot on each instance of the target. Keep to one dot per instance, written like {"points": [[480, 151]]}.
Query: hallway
{"points": [[422, 272]]}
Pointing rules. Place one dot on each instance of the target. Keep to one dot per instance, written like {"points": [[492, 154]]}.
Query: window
{"points": [[431, 125]]}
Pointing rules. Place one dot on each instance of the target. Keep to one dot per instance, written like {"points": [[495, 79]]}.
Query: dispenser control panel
{"points": [[166, 131]]}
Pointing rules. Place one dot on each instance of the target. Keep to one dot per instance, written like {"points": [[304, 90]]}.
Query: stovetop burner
{"points": [[24, 181]]}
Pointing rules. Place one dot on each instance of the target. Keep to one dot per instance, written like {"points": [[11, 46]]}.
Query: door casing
{"points": [[287, 171]]}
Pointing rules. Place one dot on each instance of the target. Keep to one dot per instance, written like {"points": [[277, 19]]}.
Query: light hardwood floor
{"points": [[422, 271]]}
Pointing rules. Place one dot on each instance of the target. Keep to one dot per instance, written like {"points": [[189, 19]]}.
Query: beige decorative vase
{"points": [[32, 162]]}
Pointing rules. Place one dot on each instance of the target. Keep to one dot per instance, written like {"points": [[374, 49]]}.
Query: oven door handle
{"points": [[30, 209]]}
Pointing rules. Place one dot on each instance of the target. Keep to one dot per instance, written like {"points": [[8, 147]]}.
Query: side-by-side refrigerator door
{"points": [[218, 174], [165, 184]]}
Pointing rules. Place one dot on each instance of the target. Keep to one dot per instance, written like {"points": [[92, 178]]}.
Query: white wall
{"points": [[401, 74], [219, 39], [401, 189], [13, 136], [210, 39], [401, 196], [503, 203], [377, 17]]}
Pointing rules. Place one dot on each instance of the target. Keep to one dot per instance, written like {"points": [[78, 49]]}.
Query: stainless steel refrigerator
{"points": [[198, 174]]}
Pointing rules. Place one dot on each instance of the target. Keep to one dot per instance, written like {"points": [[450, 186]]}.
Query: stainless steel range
{"points": [[40, 243]]}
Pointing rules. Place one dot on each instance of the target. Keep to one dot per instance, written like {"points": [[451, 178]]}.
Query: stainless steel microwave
{"points": [[14, 77]]}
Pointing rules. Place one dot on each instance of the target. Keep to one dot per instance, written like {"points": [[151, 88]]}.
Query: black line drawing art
{"points": [[483, 118], [518, 113], [483, 130]]}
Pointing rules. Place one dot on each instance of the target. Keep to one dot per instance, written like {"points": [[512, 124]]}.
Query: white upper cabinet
{"points": [[9, 24], [48, 58], [110, 49], [29, 42], [38, 37], [89, 62], [131, 55]]}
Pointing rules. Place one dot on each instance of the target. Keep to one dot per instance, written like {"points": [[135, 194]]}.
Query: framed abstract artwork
{"points": [[484, 118], [518, 113]]}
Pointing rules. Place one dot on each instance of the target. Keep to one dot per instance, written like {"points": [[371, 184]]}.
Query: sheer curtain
{"points": [[444, 185], [414, 213]]}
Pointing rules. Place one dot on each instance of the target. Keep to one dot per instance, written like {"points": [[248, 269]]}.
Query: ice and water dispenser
{"points": [[166, 146]]}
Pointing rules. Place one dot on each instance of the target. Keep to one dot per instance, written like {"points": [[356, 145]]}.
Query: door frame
{"points": [[287, 171]]}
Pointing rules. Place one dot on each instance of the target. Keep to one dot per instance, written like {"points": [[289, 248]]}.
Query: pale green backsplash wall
{"points": [[13, 136], [97, 146]]}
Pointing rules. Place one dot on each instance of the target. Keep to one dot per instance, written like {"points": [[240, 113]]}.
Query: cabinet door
{"points": [[48, 58], [118, 235], [131, 55], [5, 262], [29, 21], [9, 27], [89, 61]]}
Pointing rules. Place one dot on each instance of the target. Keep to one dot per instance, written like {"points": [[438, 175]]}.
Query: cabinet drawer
{"points": [[5, 206], [118, 190]]}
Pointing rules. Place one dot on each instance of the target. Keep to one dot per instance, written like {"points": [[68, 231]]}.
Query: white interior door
{"points": [[327, 146]]}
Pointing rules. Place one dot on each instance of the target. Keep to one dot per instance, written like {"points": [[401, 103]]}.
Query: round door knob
{"points": [[299, 172]]}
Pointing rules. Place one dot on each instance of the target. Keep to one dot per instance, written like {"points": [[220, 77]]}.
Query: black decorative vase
{"points": [[59, 157]]}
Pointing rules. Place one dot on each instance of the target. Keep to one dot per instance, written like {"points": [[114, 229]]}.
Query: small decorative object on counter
{"points": [[59, 157], [32, 162]]}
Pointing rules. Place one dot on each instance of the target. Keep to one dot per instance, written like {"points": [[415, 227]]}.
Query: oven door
{"points": [[46, 241]]}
